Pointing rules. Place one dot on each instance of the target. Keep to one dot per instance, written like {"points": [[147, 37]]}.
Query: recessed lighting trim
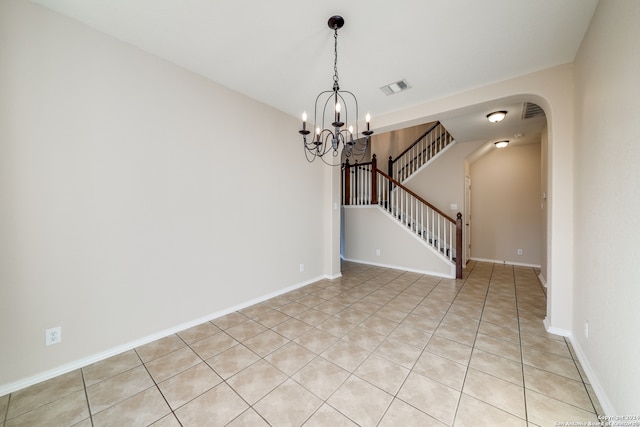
{"points": [[496, 116], [501, 144]]}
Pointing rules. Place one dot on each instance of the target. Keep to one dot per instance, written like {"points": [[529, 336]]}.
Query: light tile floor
{"points": [[377, 347]]}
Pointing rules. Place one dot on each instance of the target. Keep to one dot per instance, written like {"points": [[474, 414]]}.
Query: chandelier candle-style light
{"points": [[330, 116]]}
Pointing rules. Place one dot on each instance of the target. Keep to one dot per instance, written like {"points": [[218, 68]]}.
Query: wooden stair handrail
{"points": [[393, 181], [416, 141], [423, 156]]}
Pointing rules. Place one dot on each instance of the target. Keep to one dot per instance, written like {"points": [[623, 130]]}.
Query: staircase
{"points": [[425, 149], [365, 184]]}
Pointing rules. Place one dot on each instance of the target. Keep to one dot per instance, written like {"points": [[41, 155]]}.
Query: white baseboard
{"points": [[396, 267], [592, 378], [86, 361], [556, 331], [501, 261], [543, 281], [605, 402]]}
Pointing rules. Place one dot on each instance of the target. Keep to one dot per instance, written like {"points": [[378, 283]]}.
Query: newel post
{"points": [[459, 246], [374, 181], [347, 183]]}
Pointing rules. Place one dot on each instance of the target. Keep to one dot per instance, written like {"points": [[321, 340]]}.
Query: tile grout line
{"points": [[395, 395], [352, 373], [524, 383], [224, 380], [155, 383], [86, 396], [319, 355], [575, 364], [464, 380], [6, 411], [372, 352], [584, 384], [425, 349]]}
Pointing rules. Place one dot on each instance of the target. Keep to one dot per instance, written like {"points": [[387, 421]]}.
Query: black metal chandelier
{"points": [[332, 114]]}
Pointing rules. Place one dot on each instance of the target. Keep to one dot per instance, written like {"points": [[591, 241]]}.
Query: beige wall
{"points": [[128, 188], [505, 205], [607, 197], [370, 229], [441, 182]]}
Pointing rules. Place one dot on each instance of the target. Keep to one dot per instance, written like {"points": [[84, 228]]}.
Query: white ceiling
{"points": [[280, 52]]}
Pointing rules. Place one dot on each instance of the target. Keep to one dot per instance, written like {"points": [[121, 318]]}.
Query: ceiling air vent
{"points": [[531, 110], [395, 87]]}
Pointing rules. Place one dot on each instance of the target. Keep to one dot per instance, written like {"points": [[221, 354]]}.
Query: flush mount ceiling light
{"points": [[501, 144], [496, 116], [395, 87], [332, 112]]}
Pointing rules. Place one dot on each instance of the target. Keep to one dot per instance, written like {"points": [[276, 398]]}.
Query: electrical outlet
{"points": [[301, 268], [520, 252], [378, 252], [53, 336]]}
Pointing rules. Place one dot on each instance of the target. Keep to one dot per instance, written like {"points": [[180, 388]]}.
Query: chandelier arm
{"points": [[333, 94], [324, 109], [329, 94], [323, 147], [306, 155], [355, 101], [330, 163], [326, 148], [329, 142]]}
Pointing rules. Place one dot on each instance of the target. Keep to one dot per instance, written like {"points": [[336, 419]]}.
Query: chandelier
{"points": [[333, 124]]}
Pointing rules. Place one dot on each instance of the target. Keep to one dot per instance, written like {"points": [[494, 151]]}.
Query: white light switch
{"points": [[454, 206]]}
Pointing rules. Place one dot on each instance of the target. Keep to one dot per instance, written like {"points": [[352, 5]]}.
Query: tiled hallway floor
{"points": [[377, 347]]}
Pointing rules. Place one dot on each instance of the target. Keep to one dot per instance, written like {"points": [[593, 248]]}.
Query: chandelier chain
{"points": [[335, 57]]}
